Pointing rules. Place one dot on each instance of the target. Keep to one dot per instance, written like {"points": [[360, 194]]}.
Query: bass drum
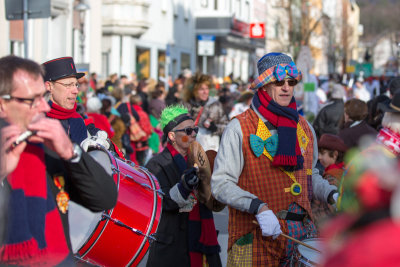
{"points": [[121, 236]]}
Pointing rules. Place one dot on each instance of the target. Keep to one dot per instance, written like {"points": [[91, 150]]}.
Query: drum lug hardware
{"points": [[159, 191], [105, 216], [152, 238], [131, 163], [147, 186], [115, 170]]}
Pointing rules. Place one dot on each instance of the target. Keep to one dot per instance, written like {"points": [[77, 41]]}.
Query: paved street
{"points": [[221, 224]]}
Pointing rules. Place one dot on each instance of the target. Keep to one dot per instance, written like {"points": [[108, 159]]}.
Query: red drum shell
{"points": [[138, 206]]}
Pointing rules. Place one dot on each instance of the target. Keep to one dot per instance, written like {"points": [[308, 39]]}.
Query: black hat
{"points": [[394, 105], [60, 68]]}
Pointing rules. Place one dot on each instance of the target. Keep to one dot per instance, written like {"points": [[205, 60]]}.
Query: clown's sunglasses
{"points": [[189, 130], [291, 82]]}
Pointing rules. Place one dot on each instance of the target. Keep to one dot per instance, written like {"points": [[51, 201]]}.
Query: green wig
{"points": [[172, 116]]}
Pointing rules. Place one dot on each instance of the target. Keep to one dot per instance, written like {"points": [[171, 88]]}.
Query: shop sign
{"points": [[206, 45], [257, 30]]}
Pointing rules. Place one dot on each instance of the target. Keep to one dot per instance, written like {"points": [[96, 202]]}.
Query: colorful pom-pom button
{"points": [[295, 189]]}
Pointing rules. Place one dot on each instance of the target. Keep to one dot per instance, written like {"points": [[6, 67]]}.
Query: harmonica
{"points": [[25, 135]]}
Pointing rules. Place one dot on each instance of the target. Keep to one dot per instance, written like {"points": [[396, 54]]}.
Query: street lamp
{"points": [[81, 8]]}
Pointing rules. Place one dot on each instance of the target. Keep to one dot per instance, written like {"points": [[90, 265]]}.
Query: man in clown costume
{"points": [[265, 170]]}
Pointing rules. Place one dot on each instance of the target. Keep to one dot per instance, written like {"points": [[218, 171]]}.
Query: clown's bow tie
{"points": [[270, 144]]}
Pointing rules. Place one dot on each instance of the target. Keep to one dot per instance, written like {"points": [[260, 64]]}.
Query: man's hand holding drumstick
{"points": [[268, 222]]}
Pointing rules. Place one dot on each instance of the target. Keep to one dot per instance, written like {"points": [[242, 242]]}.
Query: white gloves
{"points": [[99, 139], [269, 224], [335, 197]]}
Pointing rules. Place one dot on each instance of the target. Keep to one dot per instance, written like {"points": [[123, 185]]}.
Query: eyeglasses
{"points": [[32, 102], [189, 130], [68, 85], [291, 82]]}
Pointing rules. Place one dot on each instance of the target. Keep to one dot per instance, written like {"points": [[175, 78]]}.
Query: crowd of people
{"points": [[279, 171]]}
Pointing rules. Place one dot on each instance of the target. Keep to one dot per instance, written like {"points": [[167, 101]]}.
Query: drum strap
{"points": [[287, 215]]}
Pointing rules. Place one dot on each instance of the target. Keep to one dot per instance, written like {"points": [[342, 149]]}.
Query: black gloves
{"points": [[190, 180]]}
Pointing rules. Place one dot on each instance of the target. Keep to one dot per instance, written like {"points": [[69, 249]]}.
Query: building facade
{"points": [[229, 21], [159, 38], [147, 37]]}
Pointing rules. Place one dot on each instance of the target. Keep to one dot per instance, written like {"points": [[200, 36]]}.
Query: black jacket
{"points": [[328, 118], [171, 247], [86, 182]]}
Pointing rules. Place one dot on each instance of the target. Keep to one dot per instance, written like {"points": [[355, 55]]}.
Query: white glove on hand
{"points": [[99, 139], [335, 197], [269, 224]]}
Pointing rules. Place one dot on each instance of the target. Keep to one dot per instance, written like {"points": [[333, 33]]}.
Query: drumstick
{"points": [[296, 240], [299, 242]]}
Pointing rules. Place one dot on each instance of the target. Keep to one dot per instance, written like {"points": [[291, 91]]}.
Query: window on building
{"points": [[173, 72], [277, 26], [247, 11], [215, 4], [161, 63], [204, 3], [185, 61], [143, 63], [105, 60], [17, 37], [17, 48]]}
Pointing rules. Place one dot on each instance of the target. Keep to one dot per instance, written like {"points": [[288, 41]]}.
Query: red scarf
{"points": [[61, 113], [285, 119], [34, 233], [390, 140], [335, 166]]}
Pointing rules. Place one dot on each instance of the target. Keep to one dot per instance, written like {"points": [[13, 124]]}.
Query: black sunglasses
{"points": [[189, 130], [291, 82]]}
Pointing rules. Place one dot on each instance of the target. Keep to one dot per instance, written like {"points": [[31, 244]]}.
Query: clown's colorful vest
{"points": [[269, 183]]}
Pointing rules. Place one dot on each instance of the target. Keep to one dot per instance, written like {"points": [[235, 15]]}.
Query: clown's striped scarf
{"points": [[285, 119], [34, 231], [76, 128], [201, 229]]}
